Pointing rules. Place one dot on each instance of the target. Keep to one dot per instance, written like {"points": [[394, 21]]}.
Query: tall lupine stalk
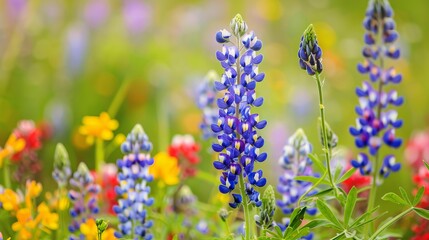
{"points": [[84, 198], [310, 59], [238, 142], [206, 101], [133, 190], [376, 124]]}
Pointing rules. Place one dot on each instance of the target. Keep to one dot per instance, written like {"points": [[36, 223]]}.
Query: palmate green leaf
{"points": [[337, 172], [311, 179], [422, 212], [346, 175], [326, 211], [350, 206], [370, 220], [419, 195], [405, 195], [296, 217], [316, 160], [322, 193], [393, 197]]}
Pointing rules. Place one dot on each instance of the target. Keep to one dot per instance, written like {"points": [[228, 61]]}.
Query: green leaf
{"points": [[370, 220], [419, 195], [297, 217], [346, 175], [316, 223], [300, 233], [363, 216], [426, 164], [338, 171], [393, 197], [311, 179], [422, 212], [350, 206], [405, 195], [326, 211], [339, 236], [316, 160], [322, 193]]}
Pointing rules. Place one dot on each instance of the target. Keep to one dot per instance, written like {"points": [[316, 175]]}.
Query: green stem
{"points": [[6, 173], [119, 98], [228, 231], [311, 188], [163, 125], [99, 235], [326, 147], [390, 222], [99, 154], [245, 207]]}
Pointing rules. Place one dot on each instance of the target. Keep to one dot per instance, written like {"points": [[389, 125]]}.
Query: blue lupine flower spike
{"points": [[206, 101], [236, 127], [376, 124], [133, 190]]}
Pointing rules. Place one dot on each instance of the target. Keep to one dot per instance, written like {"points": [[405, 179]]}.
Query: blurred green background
{"points": [[61, 60]]}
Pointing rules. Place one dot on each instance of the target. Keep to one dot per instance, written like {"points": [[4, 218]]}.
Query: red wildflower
{"points": [[27, 130], [184, 148], [417, 149], [356, 180], [108, 180]]}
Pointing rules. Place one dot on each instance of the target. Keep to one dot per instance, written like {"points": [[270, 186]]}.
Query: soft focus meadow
{"points": [[140, 119]]}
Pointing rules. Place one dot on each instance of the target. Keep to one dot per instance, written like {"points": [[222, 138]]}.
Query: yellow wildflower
{"points": [[109, 234], [46, 218], [165, 168], [13, 145], [10, 200], [100, 127], [24, 224], [33, 190]]}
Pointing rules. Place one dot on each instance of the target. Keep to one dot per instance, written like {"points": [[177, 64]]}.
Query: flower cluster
{"points": [[27, 159], [417, 149], [100, 127], [375, 123], [31, 222], [133, 190], [236, 128], [84, 198], [309, 53], [13, 145], [295, 162], [108, 179], [206, 101], [184, 148]]}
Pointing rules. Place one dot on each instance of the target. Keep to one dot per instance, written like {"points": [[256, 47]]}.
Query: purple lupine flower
{"points": [[236, 128], [84, 198], [309, 53], [376, 124], [136, 14], [133, 190], [206, 101], [295, 162]]}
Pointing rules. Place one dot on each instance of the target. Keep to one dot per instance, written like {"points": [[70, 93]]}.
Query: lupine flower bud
{"points": [[309, 53], [62, 171], [266, 211], [238, 26], [332, 138], [101, 225], [223, 214]]}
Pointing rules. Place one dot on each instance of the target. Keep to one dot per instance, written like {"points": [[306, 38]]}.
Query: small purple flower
{"points": [[96, 12], [84, 198], [136, 14], [133, 191], [236, 127], [376, 123]]}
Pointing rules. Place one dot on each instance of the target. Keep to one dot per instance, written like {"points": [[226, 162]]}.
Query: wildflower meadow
{"points": [[179, 120]]}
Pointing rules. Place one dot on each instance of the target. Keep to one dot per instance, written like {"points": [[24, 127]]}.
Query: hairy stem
{"points": [[326, 147]]}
